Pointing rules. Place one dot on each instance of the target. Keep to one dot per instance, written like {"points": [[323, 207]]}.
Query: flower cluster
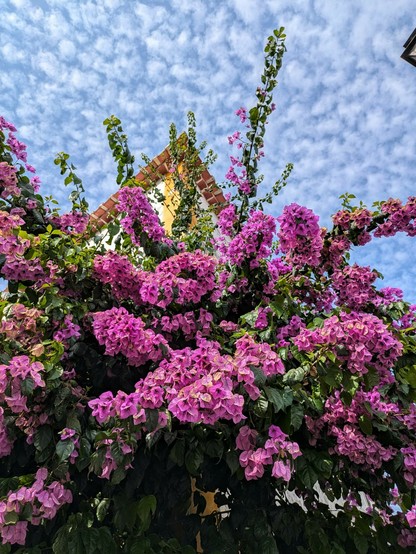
{"points": [[401, 218], [407, 537], [44, 501], [118, 272], [72, 436], [140, 216], [359, 219], [388, 295], [226, 220], [253, 242], [68, 329], [183, 279], [6, 125], [377, 402], [17, 147], [9, 221], [21, 324], [122, 406], [12, 376], [235, 138], [411, 516], [123, 333], [8, 184], [239, 180], [354, 285], [113, 452], [8, 181], [10, 243], [333, 253], [408, 320], [197, 385], [409, 418], [72, 223], [188, 323], [309, 292], [342, 422], [228, 282], [6, 444], [359, 448], [17, 268], [355, 224], [250, 354], [242, 114], [409, 462], [262, 320], [208, 400], [358, 339], [277, 451], [288, 331], [300, 235], [228, 326], [276, 268]]}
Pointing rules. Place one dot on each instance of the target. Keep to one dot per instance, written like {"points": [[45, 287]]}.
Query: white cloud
{"points": [[12, 54], [345, 98], [67, 49]]}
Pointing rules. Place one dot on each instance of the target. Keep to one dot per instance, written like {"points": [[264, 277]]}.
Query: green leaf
{"points": [[64, 449], [146, 508], [102, 509], [233, 463], [267, 545], [43, 438], [118, 476], [12, 287], [177, 453], [11, 518], [27, 386], [361, 544], [295, 375], [253, 114], [125, 513], [72, 422], [259, 376], [214, 448], [250, 318], [152, 419], [193, 460], [83, 459], [296, 416], [337, 549], [117, 452], [280, 399], [261, 405], [371, 378], [365, 425], [140, 545], [306, 472], [333, 375], [322, 462]]}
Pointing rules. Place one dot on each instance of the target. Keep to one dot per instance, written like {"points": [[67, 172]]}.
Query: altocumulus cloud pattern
{"points": [[345, 114]]}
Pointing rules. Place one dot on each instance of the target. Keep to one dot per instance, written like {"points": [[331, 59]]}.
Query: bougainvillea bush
{"points": [[231, 390]]}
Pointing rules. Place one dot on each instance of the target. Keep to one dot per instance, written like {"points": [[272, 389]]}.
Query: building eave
{"points": [[151, 174]]}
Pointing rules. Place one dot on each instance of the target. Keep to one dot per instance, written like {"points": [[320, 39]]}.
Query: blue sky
{"points": [[346, 108]]}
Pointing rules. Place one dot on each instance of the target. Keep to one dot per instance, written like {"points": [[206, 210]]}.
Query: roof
{"points": [[151, 174]]}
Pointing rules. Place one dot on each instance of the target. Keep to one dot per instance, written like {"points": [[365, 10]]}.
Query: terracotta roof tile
{"points": [[151, 173]]}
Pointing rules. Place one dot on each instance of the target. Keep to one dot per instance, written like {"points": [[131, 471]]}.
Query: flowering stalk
{"points": [[257, 118]]}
